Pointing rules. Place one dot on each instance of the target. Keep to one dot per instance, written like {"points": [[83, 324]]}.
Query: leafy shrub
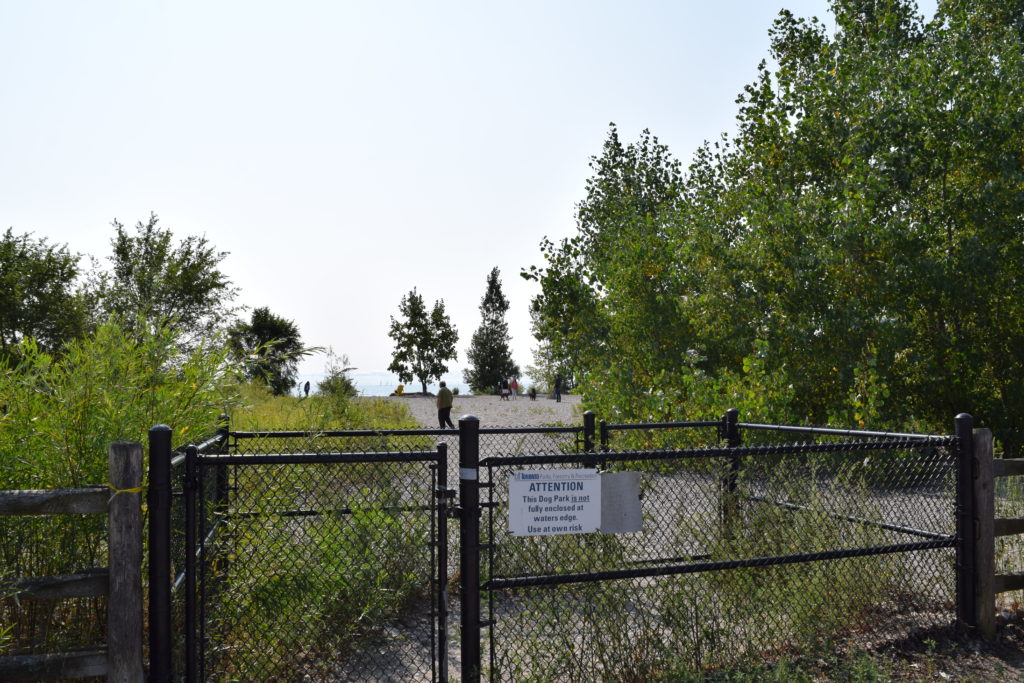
{"points": [[59, 415]]}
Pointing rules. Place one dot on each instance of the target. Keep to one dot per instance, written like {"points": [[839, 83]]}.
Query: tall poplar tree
{"points": [[490, 359], [424, 342]]}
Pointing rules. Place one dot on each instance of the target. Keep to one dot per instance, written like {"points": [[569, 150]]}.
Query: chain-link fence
{"points": [[770, 549], [325, 556]]}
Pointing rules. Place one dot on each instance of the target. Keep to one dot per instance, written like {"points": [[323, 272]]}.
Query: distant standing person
{"points": [[504, 389], [444, 406], [533, 393], [514, 388], [305, 388], [558, 388]]}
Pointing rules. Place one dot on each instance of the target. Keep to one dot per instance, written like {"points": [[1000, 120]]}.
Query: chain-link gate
{"points": [[303, 563], [297, 556]]}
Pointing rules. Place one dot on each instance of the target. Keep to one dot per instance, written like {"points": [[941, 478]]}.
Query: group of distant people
{"points": [[508, 389]]}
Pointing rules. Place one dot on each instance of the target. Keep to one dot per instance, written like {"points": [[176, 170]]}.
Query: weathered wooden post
{"points": [[124, 530], [985, 545]]}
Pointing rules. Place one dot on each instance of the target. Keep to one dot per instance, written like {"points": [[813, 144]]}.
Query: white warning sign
{"points": [[550, 502]]}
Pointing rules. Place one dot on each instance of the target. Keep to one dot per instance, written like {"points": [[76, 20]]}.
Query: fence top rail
{"points": [[214, 440], [689, 453], [857, 433], [317, 458], [341, 433], [665, 425]]}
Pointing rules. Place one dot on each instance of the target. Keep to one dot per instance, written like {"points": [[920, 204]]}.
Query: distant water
{"points": [[384, 383]]}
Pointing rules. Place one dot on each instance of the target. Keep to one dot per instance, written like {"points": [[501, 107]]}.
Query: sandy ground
{"points": [[493, 412]]}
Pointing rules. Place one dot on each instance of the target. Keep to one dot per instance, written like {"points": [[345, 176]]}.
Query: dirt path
{"points": [[493, 412]]}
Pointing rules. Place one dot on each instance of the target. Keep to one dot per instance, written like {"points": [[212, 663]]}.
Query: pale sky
{"points": [[345, 152]]}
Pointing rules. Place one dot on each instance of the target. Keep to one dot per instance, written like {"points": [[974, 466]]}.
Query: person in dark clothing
{"points": [[444, 406], [504, 389], [558, 388]]}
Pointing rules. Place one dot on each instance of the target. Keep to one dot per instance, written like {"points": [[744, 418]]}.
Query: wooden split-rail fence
{"points": [[988, 527], [120, 658]]}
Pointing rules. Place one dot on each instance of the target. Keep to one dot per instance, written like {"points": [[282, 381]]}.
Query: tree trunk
{"points": [[424, 383]]}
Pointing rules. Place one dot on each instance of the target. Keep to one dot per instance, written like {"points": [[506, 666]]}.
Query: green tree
{"points": [[336, 382], [180, 284], [270, 347], [39, 297], [854, 249], [424, 342], [490, 359]]}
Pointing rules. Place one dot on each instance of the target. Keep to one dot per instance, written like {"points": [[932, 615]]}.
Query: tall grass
{"points": [[58, 415], [258, 410]]}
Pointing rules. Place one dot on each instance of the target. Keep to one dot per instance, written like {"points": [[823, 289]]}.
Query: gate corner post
{"points": [[966, 513], [469, 544], [158, 497]]}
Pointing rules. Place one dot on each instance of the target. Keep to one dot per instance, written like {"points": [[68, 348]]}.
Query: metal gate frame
{"points": [[201, 525], [468, 510]]}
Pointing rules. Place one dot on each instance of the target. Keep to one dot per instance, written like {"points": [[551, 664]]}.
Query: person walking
{"points": [[558, 388], [514, 388], [444, 406], [504, 389]]}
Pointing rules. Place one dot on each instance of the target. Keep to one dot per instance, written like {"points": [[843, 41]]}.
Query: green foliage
{"points": [[851, 255], [337, 382], [424, 342], [270, 347], [490, 359], [178, 285], [62, 412], [38, 295], [58, 416]]}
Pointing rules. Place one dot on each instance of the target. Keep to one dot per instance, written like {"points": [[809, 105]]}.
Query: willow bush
{"points": [[59, 415]]}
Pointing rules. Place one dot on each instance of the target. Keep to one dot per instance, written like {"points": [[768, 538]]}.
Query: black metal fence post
{"points": [[589, 422], [158, 498], [443, 495], [602, 428], [469, 551], [191, 549], [221, 490], [966, 511], [730, 496]]}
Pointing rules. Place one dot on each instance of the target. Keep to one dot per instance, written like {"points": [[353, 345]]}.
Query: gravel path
{"points": [[493, 412]]}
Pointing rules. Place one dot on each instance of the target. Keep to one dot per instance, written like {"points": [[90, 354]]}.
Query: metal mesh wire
{"points": [[323, 570], [736, 555], [312, 571]]}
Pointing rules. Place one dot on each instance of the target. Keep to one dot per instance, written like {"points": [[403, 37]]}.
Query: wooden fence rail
{"points": [[988, 527], [121, 581]]}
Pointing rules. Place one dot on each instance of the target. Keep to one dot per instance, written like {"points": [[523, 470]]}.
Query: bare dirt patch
{"points": [[494, 412]]}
